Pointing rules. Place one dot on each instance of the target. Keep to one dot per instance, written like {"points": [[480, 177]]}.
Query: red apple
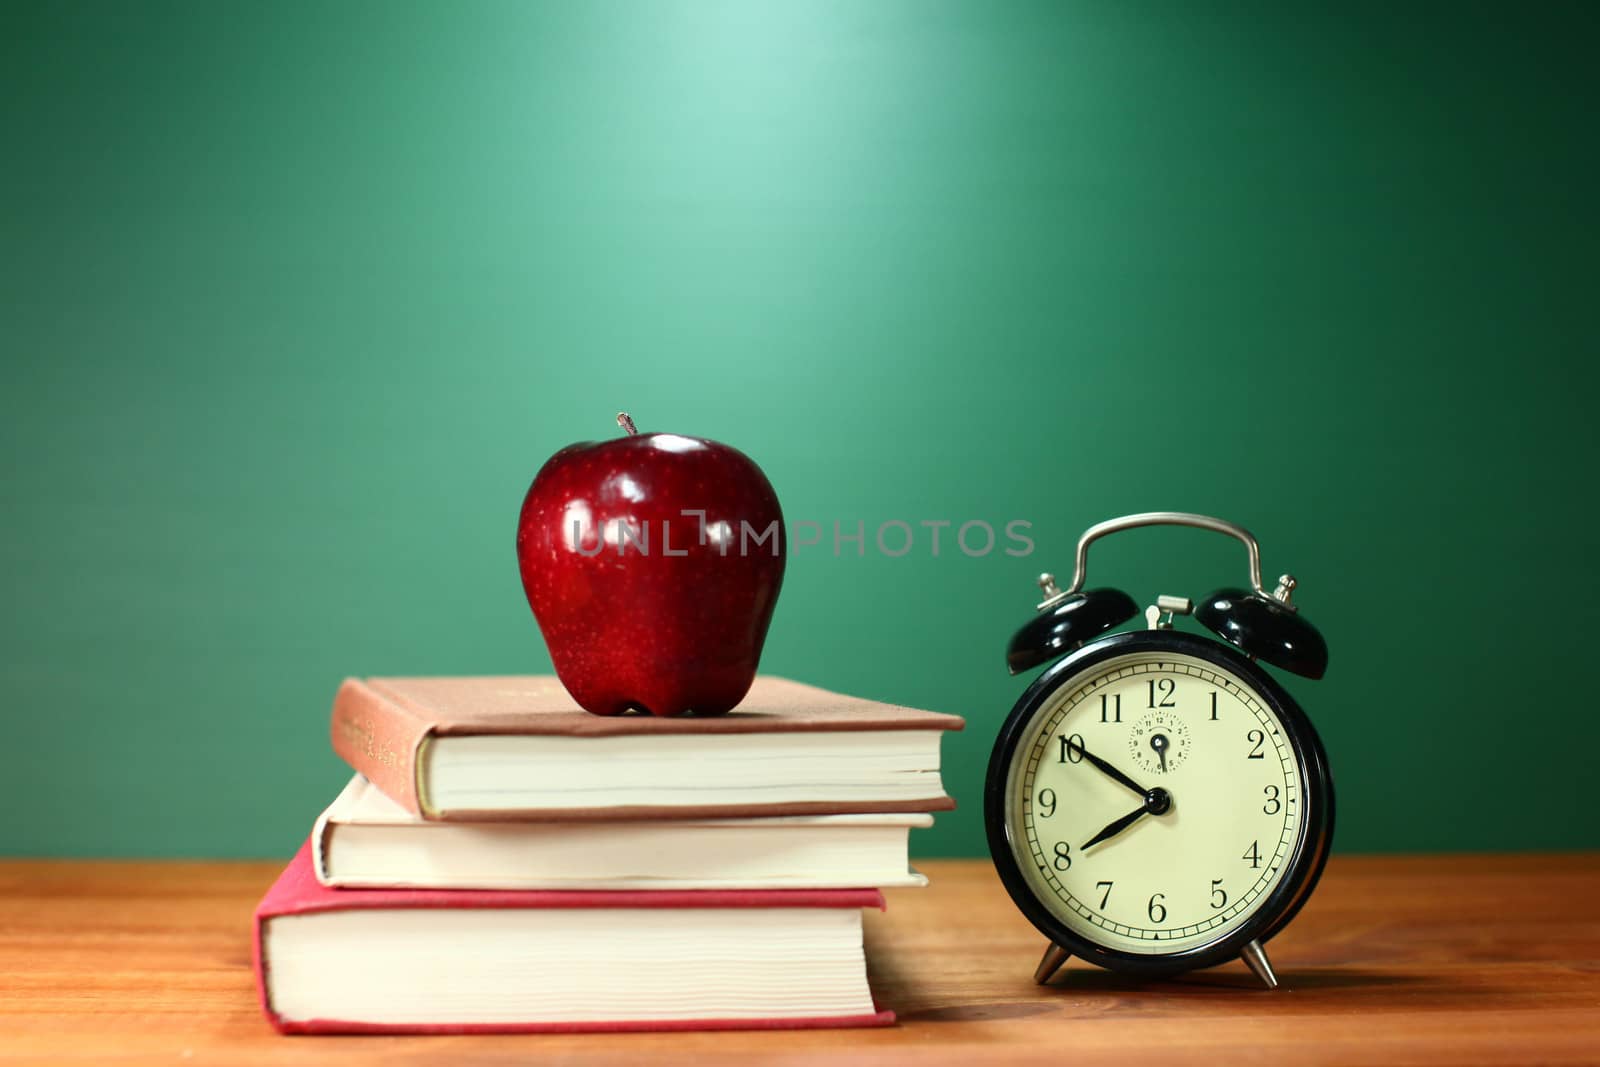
{"points": [[652, 563]]}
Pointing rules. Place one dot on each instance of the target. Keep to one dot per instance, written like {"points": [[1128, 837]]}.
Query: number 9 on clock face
{"points": [[1156, 801]]}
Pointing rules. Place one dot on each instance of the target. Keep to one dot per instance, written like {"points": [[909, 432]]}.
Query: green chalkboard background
{"points": [[297, 297]]}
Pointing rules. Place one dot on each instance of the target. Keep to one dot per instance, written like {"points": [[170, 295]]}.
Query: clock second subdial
{"points": [[1159, 742]]}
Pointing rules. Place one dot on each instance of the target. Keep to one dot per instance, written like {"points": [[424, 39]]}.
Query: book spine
{"points": [[320, 832], [258, 965], [382, 740]]}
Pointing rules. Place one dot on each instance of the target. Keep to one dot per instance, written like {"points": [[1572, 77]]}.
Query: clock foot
{"points": [[1054, 957], [1255, 957]]}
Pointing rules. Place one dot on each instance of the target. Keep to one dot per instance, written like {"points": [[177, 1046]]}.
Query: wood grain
{"points": [[1439, 960]]}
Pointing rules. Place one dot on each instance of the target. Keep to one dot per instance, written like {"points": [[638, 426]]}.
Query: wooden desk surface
{"points": [[1444, 960]]}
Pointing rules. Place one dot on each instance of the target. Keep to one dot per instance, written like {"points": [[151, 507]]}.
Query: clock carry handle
{"points": [[1167, 518], [1265, 625]]}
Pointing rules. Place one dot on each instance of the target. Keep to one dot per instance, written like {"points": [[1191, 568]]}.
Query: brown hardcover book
{"points": [[521, 748]]}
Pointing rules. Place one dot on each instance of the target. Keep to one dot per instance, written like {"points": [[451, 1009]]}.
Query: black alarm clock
{"points": [[1156, 801]]}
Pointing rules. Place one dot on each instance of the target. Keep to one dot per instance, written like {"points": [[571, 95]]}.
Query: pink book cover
{"points": [[297, 892]]}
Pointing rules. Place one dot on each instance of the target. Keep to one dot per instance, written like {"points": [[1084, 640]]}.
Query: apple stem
{"points": [[626, 422]]}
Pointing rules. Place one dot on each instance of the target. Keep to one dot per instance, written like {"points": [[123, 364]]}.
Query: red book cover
{"points": [[297, 892]]}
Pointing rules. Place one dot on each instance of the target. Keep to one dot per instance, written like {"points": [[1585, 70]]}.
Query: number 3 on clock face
{"points": [[1164, 802]]}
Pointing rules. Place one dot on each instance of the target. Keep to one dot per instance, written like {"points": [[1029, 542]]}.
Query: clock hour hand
{"points": [[1117, 827], [1106, 768], [1156, 802]]}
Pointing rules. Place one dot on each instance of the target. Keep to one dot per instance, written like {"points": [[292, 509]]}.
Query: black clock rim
{"points": [[1305, 864]]}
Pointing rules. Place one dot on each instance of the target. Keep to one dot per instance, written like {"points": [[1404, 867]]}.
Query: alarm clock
{"points": [[1156, 801]]}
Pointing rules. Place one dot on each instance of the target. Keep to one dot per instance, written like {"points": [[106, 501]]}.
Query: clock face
{"points": [[1154, 803]]}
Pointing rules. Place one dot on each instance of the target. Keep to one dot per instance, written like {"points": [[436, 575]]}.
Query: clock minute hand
{"points": [[1106, 769]]}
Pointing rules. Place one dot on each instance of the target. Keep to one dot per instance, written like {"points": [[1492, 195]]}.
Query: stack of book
{"points": [[504, 860]]}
